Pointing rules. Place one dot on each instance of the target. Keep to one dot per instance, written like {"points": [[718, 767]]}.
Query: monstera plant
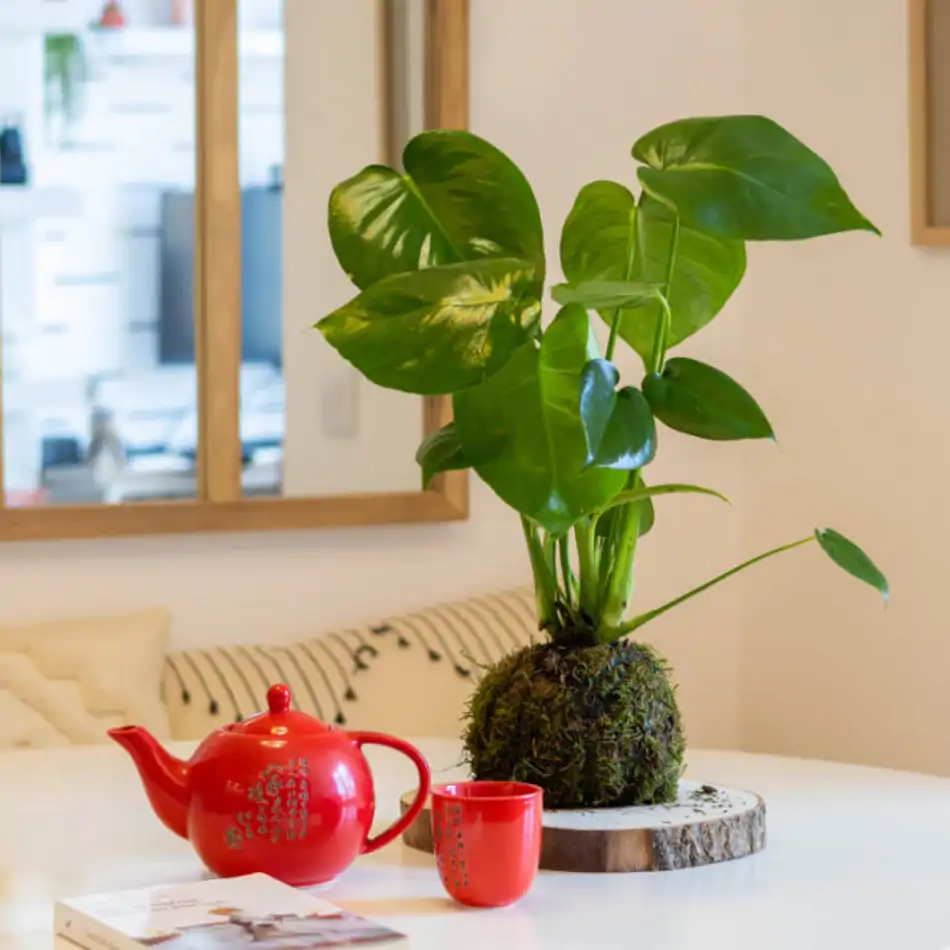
{"points": [[448, 260]]}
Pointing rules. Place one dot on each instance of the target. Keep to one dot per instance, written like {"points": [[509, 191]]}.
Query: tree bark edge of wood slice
{"points": [[706, 826]]}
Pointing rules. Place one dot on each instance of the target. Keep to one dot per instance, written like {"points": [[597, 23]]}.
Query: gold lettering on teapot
{"points": [[280, 806]]}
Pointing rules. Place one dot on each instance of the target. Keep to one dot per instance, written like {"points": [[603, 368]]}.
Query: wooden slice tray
{"points": [[704, 826]]}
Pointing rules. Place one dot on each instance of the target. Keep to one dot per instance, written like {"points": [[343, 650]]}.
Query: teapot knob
{"points": [[278, 698]]}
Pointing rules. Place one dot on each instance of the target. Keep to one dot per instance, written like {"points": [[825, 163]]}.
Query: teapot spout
{"points": [[165, 778]]}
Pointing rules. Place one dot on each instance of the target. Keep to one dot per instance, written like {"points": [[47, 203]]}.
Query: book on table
{"points": [[256, 912]]}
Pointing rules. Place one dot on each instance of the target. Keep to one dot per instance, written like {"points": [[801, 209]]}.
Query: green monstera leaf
{"points": [[460, 199], [701, 400], [608, 239], [598, 235], [438, 330], [531, 408], [744, 177]]}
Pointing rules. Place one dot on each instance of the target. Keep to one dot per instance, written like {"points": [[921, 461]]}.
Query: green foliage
{"points": [[618, 425], [743, 177], [607, 238], [606, 294], [849, 557], [438, 330], [448, 258], [441, 451], [460, 199], [703, 401], [595, 727], [531, 408], [642, 493]]}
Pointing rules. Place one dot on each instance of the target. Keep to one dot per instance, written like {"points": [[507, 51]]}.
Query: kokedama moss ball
{"points": [[593, 726]]}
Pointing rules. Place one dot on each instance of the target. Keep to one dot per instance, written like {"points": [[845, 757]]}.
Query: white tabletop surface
{"points": [[857, 859]]}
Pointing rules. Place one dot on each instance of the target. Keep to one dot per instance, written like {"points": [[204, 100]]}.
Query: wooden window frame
{"points": [[220, 505], [924, 232]]}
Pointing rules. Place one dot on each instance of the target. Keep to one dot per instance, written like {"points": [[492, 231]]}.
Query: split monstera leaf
{"points": [[448, 260]]}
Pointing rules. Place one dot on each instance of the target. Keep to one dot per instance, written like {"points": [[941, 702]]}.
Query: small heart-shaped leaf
{"points": [[439, 452], [697, 399], [629, 441], [598, 396], [618, 426]]}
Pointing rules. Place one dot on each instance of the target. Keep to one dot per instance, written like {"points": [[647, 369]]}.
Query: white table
{"points": [[858, 859]]}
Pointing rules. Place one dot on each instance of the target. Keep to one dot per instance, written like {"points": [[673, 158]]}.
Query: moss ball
{"points": [[593, 726]]}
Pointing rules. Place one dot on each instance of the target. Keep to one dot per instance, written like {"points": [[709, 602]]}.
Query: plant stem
{"points": [[625, 531], [545, 585], [661, 339], [549, 547], [566, 572], [587, 564], [614, 329], [665, 322], [620, 582], [638, 622], [633, 242]]}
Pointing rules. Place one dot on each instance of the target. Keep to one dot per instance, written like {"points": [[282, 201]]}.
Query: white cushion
{"points": [[66, 682], [409, 676]]}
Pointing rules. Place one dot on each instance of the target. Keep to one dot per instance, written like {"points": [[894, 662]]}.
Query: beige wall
{"points": [[845, 345], [338, 426]]}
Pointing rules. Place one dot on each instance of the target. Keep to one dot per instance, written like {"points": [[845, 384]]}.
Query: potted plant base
{"points": [[448, 260], [598, 727]]}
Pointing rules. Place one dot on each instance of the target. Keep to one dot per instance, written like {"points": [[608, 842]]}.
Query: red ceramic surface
{"points": [[487, 838], [280, 793]]}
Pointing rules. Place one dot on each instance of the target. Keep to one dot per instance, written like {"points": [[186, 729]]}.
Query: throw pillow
{"points": [[66, 682]]}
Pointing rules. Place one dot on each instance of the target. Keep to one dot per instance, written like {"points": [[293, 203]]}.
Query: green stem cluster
{"points": [[589, 608]]}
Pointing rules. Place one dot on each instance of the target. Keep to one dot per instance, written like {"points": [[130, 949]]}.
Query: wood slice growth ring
{"points": [[705, 825]]}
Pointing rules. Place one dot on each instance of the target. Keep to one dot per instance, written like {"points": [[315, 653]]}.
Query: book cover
{"points": [[256, 912]]}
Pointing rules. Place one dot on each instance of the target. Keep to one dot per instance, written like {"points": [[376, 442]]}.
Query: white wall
{"points": [[846, 345], [565, 87]]}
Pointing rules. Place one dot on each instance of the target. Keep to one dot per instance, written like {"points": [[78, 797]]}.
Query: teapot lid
{"points": [[280, 720]]}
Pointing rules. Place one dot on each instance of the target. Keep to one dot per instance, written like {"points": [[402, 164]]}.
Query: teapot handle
{"points": [[425, 781]]}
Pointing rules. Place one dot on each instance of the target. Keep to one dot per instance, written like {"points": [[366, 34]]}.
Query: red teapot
{"points": [[280, 793]]}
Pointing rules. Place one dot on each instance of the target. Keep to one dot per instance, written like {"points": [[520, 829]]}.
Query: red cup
{"points": [[487, 838]]}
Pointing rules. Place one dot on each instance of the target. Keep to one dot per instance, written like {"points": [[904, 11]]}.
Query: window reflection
{"points": [[98, 407]]}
